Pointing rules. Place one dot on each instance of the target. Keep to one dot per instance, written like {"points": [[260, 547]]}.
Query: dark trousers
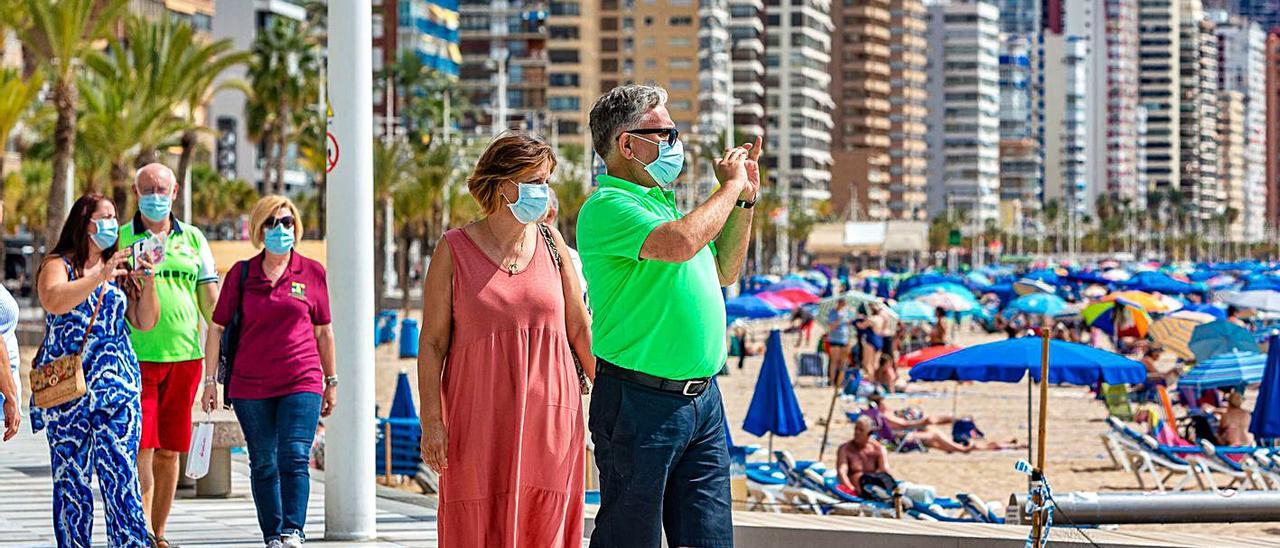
{"points": [[664, 464], [279, 432]]}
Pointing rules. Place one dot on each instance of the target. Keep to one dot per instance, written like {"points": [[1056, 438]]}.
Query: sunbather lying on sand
{"points": [[920, 431]]}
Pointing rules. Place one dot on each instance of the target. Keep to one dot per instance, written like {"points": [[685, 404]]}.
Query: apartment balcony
{"points": [[757, 4], [868, 50], [754, 109], [869, 31], [755, 23], [749, 44], [878, 13]]}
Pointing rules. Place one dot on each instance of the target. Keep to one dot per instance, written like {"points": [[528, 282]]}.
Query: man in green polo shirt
{"points": [[170, 354], [654, 277]]}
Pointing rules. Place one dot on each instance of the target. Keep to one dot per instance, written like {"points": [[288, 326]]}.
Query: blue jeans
{"points": [[279, 432], [664, 464]]}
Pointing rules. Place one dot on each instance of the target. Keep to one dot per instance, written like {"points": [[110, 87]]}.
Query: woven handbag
{"points": [[62, 380]]}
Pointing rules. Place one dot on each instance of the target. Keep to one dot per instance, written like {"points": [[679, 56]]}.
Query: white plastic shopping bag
{"points": [[201, 447]]}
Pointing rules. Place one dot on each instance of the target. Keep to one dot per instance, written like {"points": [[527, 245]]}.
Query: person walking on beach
{"points": [[10, 385], [654, 277], [501, 398], [283, 380], [92, 302], [170, 354], [838, 321]]}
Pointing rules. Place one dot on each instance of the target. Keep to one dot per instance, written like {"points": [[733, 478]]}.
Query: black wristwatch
{"points": [[745, 204]]}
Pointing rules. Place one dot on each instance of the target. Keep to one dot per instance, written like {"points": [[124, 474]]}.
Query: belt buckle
{"points": [[690, 385]]}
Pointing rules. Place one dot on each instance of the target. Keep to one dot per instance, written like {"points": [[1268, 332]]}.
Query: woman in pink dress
{"points": [[501, 397]]}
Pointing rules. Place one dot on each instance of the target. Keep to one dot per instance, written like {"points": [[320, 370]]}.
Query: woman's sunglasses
{"points": [[272, 222], [672, 134]]}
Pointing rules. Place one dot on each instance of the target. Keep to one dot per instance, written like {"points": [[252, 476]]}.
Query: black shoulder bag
{"points": [[231, 340]]}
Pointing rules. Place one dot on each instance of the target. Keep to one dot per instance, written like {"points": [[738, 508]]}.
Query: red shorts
{"points": [[168, 392]]}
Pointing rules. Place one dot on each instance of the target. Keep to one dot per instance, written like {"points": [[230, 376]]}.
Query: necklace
{"points": [[514, 265]]}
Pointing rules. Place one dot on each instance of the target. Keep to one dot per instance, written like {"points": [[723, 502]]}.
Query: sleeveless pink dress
{"points": [[512, 406]]}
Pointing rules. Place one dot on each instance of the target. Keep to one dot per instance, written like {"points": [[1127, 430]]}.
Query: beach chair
{"points": [[812, 364], [822, 484], [1245, 472], [1117, 398], [1146, 456], [764, 487]]}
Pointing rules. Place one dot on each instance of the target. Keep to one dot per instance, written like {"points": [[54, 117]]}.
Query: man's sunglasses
{"points": [[672, 134], [271, 222]]}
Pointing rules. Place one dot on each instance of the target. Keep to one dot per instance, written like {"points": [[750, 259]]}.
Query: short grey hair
{"points": [[620, 109]]}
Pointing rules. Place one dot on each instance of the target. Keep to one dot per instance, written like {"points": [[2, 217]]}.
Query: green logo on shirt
{"points": [[298, 290]]}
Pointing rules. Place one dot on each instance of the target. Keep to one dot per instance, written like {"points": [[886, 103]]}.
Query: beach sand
{"points": [[1077, 460]]}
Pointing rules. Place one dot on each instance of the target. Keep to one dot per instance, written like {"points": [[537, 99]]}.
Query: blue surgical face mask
{"points": [[107, 234], [155, 206], [531, 205], [667, 166], [278, 240]]}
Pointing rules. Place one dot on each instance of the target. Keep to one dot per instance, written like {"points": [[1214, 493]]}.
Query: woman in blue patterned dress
{"points": [[97, 432]]}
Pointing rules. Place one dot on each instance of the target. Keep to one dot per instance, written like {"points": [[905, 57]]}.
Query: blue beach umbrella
{"points": [[1010, 360], [1220, 337], [1231, 369], [749, 306], [1266, 411], [774, 409], [1036, 303], [402, 403]]}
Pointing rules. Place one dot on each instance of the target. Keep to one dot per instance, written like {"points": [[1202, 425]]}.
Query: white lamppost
{"points": [[349, 502]]}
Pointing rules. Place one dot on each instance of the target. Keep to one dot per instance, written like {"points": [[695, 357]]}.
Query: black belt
{"points": [[689, 387]]}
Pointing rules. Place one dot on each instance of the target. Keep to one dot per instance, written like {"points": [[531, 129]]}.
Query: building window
{"points": [[680, 21], [564, 104], [680, 63], [563, 55], [681, 85], [557, 8], [563, 80], [563, 32]]}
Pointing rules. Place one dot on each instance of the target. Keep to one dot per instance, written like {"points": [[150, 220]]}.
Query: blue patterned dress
{"points": [[98, 432]]}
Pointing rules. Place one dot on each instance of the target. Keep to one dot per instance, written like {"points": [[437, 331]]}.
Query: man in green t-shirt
{"points": [[654, 277], [170, 354]]}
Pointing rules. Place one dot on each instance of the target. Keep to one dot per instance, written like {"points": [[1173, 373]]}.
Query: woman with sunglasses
{"points": [[283, 379]]}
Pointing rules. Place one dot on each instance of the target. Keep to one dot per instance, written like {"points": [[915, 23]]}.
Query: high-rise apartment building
{"points": [[504, 56], [860, 87], [1272, 183], [715, 74], [964, 118], [1021, 156], [746, 32], [573, 72], [1160, 92], [237, 156], [1242, 63], [1232, 167], [653, 42], [1266, 13], [426, 29], [1066, 125], [798, 109], [1021, 149], [1198, 69], [1114, 102], [908, 109]]}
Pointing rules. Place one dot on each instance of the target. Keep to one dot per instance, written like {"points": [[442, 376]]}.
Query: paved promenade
{"points": [[26, 495]]}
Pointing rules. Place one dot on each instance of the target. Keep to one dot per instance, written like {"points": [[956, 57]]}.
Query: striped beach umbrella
{"points": [[1174, 332], [1231, 369]]}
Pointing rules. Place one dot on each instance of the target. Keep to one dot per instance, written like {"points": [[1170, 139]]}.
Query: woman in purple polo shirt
{"points": [[283, 380]]}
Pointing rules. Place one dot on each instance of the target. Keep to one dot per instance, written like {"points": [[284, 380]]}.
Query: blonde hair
{"points": [[267, 207], [510, 156]]}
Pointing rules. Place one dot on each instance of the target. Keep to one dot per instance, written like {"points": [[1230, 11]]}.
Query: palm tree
{"points": [[391, 168], [58, 35], [16, 96], [114, 122], [215, 200], [283, 57]]}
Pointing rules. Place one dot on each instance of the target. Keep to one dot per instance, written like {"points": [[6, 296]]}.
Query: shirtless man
{"points": [[1233, 427], [860, 455]]}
